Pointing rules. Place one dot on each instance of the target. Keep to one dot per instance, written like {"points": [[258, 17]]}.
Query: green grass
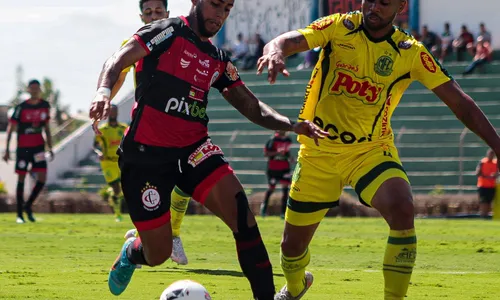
{"points": [[68, 257]]}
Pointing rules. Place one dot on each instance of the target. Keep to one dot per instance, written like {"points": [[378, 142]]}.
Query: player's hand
{"points": [[99, 110], [51, 155], [100, 156], [6, 156], [275, 63], [310, 130]]}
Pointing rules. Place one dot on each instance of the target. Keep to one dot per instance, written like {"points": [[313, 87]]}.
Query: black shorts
{"points": [[486, 195], [34, 157], [147, 188], [281, 176]]}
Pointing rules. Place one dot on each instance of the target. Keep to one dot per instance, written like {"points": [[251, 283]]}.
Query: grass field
{"points": [[68, 257]]}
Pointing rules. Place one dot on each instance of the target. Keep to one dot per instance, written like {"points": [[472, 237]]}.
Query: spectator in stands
{"points": [[251, 60], [416, 35], [446, 42], [460, 44], [239, 49], [483, 55], [484, 33], [431, 41], [487, 174]]}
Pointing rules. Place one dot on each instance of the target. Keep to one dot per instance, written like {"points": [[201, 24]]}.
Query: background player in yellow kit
{"points": [[365, 66], [152, 10], [105, 147]]}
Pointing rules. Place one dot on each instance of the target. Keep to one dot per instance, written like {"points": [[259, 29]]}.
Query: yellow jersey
{"points": [[358, 80], [110, 139]]}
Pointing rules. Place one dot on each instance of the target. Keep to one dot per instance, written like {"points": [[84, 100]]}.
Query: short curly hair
{"points": [[141, 3]]}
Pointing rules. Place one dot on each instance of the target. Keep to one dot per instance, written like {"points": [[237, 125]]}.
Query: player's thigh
{"points": [[147, 191], [207, 176], [376, 171], [486, 195], [23, 160], [316, 187], [111, 171]]}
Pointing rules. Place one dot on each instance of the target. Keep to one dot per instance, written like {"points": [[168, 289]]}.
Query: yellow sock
{"points": [[115, 202], [178, 207], [399, 260], [294, 269]]}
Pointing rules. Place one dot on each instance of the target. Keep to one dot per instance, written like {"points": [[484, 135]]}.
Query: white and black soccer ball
{"points": [[185, 290]]}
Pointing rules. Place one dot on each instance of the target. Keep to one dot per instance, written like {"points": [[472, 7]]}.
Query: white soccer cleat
{"points": [[130, 234], [285, 295], [178, 254], [20, 220]]}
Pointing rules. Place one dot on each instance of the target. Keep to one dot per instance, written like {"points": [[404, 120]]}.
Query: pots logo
{"points": [[428, 62], [363, 89]]}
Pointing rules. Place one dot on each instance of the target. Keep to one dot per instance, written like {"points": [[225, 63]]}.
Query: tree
{"points": [[20, 86], [52, 96]]}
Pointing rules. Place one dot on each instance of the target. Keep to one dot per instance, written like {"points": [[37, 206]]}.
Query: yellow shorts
{"points": [[320, 177], [111, 171]]}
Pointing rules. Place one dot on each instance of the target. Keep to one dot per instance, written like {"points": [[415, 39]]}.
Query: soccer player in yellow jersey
{"points": [[105, 147], [152, 10], [365, 66]]}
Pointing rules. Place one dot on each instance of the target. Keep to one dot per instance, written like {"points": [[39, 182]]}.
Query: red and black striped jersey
{"points": [[31, 119], [173, 82], [280, 161]]}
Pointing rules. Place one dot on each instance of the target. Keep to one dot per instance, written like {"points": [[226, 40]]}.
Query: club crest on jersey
{"points": [[428, 62], [150, 197], [322, 23], [231, 71], [405, 45], [383, 66], [349, 24], [362, 89]]}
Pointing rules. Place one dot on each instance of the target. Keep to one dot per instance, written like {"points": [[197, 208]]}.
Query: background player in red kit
{"points": [[29, 119], [168, 142], [278, 168]]}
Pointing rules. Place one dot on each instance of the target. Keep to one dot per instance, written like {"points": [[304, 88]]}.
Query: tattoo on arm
{"points": [[289, 43], [255, 110]]}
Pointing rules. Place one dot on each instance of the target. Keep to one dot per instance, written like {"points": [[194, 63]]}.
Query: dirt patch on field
{"points": [[349, 206]]}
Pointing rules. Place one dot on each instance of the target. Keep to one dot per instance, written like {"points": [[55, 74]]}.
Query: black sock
{"points": [[20, 198], [284, 199], [135, 253], [266, 201], [34, 193], [255, 264]]}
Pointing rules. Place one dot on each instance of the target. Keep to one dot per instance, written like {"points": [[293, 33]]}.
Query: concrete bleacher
{"points": [[429, 144]]}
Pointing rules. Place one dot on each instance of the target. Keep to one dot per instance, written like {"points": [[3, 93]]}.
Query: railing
{"points": [[461, 160], [231, 142], [399, 136]]}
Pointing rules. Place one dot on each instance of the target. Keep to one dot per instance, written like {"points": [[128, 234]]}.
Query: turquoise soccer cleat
{"points": [[122, 270]]}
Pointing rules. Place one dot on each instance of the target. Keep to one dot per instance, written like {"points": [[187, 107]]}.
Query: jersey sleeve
{"points": [[427, 70], [320, 32], [230, 78], [157, 36], [127, 69], [269, 146], [15, 118]]}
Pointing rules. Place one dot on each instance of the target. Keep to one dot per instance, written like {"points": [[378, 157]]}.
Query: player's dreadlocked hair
{"points": [[141, 3]]}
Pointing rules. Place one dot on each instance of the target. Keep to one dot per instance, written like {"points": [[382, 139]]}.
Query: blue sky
{"points": [[67, 41]]}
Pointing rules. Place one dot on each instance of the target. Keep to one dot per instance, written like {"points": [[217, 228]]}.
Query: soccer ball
{"points": [[185, 290]]}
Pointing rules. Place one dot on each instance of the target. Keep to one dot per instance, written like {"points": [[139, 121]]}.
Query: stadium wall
{"points": [[434, 13]]}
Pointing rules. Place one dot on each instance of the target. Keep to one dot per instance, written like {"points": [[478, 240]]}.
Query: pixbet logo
{"points": [[181, 106], [363, 89]]}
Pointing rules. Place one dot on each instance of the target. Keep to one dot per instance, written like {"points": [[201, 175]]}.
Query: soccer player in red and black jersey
{"points": [[29, 119], [168, 142], [278, 168]]}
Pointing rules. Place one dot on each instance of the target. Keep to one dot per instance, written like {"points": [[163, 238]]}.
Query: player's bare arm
{"points": [[10, 129], [277, 49], [263, 115], [469, 113], [118, 85], [48, 139], [128, 55]]}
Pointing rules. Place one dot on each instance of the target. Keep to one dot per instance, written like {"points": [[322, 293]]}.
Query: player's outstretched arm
{"points": [[277, 49], [263, 115], [128, 55], [469, 113], [11, 127]]}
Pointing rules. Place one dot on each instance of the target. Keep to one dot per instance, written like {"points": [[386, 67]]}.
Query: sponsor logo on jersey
{"points": [[185, 63], [202, 72], [322, 23], [428, 62], [404, 45], [385, 116], [214, 77], [231, 71], [203, 152], [196, 94], [189, 54], [383, 66], [205, 63], [346, 46], [362, 89], [160, 37], [348, 24], [308, 90], [341, 65], [183, 107]]}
